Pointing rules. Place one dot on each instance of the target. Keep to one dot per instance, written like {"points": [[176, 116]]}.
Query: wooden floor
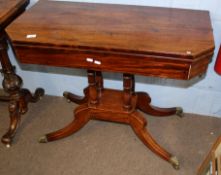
{"points": [[102, 148]]}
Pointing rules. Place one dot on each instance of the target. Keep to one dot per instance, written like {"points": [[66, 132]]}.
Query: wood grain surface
{"points": [[8, 8], [123, 38]]}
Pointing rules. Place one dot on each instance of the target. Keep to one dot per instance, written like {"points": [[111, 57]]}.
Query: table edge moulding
{"points": [[149, 41]]}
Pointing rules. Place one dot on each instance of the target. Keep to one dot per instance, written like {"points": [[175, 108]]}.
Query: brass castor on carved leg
{"points": [[67, 96], [14, 121], [175, 163], [18, 98], [75, 98], [143, 104], [179, 112], [82, 116], [138, 124], [19, 105]]}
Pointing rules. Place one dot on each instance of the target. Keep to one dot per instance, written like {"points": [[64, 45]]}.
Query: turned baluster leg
{"points": [[128, 90], [6, 65], [93, 93], [133, 83], [11, 85], [100, 83], [18, 98]]}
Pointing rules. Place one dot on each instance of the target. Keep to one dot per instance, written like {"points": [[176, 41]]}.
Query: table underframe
{"points": [[115, 106]]}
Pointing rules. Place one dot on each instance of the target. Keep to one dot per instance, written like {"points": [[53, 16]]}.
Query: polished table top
{"points": [[152, 41], [9, 9]]}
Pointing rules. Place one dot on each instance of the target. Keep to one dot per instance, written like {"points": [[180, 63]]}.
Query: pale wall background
{"points": [[200, 97]]}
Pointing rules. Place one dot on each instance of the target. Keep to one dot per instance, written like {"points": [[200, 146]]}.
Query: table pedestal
{"points": [[18, 98], [116, 106]]}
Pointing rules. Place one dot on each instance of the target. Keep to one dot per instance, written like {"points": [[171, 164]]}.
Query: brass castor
{"points": [[43, 139], [175, 163], [65, 94], [179, 112]]}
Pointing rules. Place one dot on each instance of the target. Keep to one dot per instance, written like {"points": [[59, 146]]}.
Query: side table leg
{"points": [[18, 97], [75, 98], [14, 121], [138, 123], [81, 117], [143, 104], [81, 100]]}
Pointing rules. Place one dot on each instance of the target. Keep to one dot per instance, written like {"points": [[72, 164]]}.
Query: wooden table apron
{"points": [[150, 41], [18, 98]]}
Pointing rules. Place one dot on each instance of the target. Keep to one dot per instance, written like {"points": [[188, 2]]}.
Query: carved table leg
{"points": [[144, 105], [82, 115], [81, 100], [75, 98], [138, 123], [14, 121], [81, 118], [18, 98]]}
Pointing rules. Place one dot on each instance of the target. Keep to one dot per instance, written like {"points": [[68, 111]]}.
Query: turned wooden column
{"points": [[93, 93], [18, 98], [11, 84], [100, 83], [128, 86]]}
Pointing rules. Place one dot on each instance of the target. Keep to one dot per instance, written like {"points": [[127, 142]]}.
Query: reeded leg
{"points": [[143, 104], [82, 116], [14, 121], [138, 124]]}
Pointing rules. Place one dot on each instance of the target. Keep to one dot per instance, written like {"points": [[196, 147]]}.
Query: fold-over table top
{"points": [[8, 10], [118, 29]]}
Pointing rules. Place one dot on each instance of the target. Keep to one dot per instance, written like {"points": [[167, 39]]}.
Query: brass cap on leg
{"points": [[179, 111], [7, 140], [43, 139], [65, 94], [8, 145], [175, 163]]}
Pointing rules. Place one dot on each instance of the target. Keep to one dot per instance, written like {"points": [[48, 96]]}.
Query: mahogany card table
{"points": [[18, 98], [149, 41]]}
